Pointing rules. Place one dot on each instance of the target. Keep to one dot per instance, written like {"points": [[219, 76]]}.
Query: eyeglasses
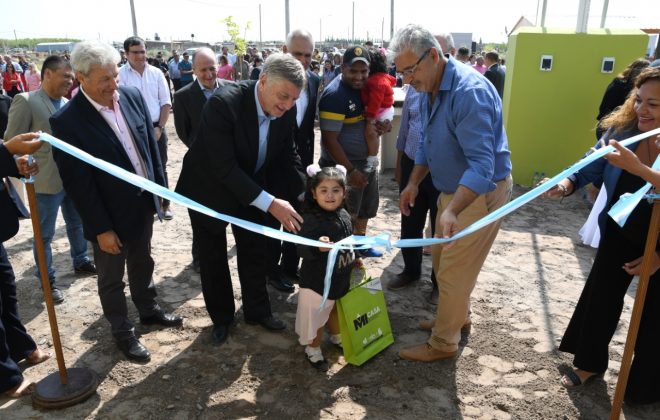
{"points": [[412, 69]]}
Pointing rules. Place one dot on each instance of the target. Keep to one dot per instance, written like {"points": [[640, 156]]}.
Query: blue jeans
{"points": [[48, 205]]}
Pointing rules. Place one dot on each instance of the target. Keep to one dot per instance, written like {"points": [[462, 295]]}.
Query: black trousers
{"points": [[597, 315], [135, 257], [15, 343], [214, 268], [162, 151], [176, 83], [412, 226], [288, 264]]}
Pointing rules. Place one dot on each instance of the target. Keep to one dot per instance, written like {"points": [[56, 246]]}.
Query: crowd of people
{"points": [[248, 122]]}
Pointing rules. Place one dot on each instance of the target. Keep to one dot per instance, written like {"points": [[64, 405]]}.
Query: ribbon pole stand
{"points": [[638, 307], [70, 386]]}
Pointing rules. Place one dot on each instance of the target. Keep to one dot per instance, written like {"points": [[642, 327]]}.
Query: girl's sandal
{"points": [[572, 380]]}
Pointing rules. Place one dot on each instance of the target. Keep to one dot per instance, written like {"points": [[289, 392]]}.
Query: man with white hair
{"points": [[465, 150], [113, 123], [242, 163]]}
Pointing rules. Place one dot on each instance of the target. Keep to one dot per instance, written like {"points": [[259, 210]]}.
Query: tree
{"points": [[234, 32]]}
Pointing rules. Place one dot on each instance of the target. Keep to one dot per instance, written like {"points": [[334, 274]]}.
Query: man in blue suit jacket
{"points": [[113, 124]]}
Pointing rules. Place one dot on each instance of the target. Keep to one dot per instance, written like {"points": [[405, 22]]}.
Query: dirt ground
{"points": [[509, 366]]}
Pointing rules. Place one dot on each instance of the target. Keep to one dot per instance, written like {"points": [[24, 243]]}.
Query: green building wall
{"points": [[550, 116]]}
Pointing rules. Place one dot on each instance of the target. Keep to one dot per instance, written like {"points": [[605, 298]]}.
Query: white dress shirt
{"points": [[115, 119], [151, 84]]}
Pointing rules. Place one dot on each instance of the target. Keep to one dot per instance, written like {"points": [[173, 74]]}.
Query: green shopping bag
{"points": [[363, 321]]}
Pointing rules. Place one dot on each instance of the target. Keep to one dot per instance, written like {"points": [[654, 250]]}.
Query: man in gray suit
{"points": [[29, 113]]}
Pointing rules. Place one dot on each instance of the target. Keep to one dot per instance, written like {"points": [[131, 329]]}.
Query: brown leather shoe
{"points": [[400, 281], [425, 353], [428, 324]]}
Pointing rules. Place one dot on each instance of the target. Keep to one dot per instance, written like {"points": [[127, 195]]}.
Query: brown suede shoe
{"points": [[425, 353], [428, 324]]}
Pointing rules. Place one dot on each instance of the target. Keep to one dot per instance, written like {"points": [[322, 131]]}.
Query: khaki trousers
{"points": [[458, 267]]}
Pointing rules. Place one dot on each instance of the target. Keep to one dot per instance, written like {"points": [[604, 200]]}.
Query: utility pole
{"points": [[286, 20], [353, 28], [604, 14], [320, 29], [391, 19], [382, 33], [545, 8], [261, 45], [135, 33], [583, 16]]}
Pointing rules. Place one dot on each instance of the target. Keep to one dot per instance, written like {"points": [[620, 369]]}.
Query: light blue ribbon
{"points": [[352, 242], [627, 202]]}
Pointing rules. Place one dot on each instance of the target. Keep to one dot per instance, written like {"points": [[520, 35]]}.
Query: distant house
{"points": [[522, 22], [52, 47]]}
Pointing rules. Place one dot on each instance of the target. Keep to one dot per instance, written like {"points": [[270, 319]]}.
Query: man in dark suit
{"points": [[113, 124], [189, 101], [5, 103], [495, 73], [242, 159], [15, 343], [188, 105], [300, 44]]}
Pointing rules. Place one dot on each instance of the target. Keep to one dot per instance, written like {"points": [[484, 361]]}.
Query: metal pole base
{"points": [[50, 393]]}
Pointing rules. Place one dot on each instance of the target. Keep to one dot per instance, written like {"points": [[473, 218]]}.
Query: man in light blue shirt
{"points": [[464, 148]]}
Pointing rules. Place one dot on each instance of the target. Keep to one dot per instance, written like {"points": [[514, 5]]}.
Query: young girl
{"points": [[325, 220], [377, 98]]}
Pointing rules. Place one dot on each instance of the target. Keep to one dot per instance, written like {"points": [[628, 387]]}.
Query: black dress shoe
{"points": [[269, 323], [162, 318], [133, 349], [281, 283], [85, 268], [401, 280], [219, 334]]}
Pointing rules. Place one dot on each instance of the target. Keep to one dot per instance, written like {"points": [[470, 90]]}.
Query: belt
{"points": [[156, 124]]}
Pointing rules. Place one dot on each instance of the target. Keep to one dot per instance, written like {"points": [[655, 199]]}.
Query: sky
{"points": [[487, 20]]}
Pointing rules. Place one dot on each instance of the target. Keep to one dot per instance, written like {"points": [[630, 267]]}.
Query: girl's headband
{"points": [[314, 168]]}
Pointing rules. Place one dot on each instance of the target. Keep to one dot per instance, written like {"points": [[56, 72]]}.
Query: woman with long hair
{"points": [[619, 255]]}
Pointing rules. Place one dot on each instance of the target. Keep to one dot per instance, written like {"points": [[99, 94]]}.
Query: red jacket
{"points": [[6, 81], [377, 93]]}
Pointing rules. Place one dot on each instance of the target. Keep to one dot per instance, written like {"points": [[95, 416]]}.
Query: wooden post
{"points": [[45, 282], [636, 317]]}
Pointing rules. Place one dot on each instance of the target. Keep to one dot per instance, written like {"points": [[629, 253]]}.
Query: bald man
{"points": [[188, 104]]}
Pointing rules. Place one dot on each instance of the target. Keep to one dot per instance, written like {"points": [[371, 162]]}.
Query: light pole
{"points": [[260, 42], [133, 17], [286, 17], [353, 28]]}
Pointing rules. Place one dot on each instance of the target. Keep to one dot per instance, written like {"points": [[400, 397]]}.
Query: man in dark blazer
{"points": [[5, 103], [15, 343], [495, 73], [300, 44], [242, 159], [113, 124], [188, 104]]}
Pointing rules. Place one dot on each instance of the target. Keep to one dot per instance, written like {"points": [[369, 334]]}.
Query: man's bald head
{"points": [[204, 65]]}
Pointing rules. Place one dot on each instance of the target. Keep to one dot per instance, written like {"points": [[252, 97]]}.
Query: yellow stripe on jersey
{"points": [[354, 120], [331, 116]]}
